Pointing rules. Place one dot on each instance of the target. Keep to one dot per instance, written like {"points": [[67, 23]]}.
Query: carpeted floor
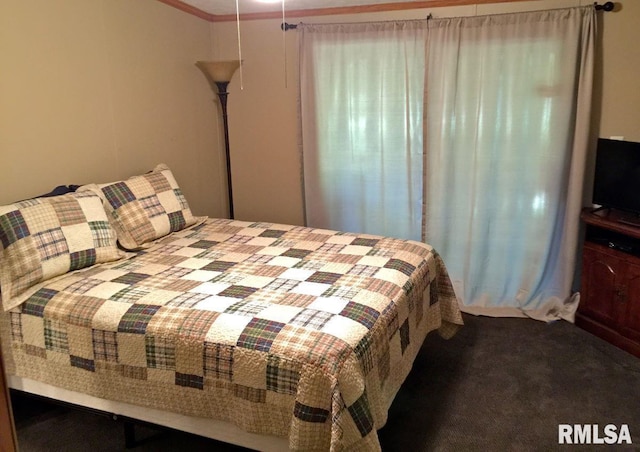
{"points": [[498, 385]]}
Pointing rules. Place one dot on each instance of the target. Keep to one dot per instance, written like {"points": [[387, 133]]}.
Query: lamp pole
{"points": [[219, 73], [222, 95]]}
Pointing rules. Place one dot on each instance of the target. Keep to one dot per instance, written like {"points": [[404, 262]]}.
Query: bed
{"points": [[265, 335]]}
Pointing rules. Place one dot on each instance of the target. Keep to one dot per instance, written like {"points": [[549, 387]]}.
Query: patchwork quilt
{"points": [[282, 330]]}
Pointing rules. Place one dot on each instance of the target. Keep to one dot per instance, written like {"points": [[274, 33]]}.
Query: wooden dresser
{"points": [[610, 281]]}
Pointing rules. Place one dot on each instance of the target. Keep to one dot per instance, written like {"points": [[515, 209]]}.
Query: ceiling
{"points": [[215, 10]]}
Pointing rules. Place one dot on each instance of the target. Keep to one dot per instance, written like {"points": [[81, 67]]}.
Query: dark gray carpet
{"points": [[506, 384], [498, 385]]}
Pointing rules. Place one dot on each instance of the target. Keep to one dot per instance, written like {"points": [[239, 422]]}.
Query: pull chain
{"points": [[284, 46], [239, 44]]}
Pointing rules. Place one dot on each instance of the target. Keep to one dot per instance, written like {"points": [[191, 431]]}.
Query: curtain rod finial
{"points": [[608, 6], [286, 27]]}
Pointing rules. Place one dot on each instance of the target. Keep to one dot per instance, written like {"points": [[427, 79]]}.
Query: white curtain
{"points": [[504, 105], [508, 108], [362, 91]]}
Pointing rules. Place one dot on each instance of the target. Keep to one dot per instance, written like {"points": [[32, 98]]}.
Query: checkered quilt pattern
{"points": [[45, 237], [144, 208], [282, 330]]}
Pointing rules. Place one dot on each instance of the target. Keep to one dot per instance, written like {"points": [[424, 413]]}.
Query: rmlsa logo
{"points": [[591, 434]]}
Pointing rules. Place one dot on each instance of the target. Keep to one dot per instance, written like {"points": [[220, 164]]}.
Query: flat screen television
{"points": [[616, 182]]}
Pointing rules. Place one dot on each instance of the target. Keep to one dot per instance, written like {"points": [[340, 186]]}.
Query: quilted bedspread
{"points": [[282, 330]]}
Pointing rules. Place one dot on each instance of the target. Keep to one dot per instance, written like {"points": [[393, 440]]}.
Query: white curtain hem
{"points": [[559, 311]]}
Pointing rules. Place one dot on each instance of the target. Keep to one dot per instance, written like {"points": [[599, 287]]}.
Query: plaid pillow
{"points": [[45, 237], [145, 208]]}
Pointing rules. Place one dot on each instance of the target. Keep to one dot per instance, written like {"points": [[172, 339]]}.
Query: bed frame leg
{"points": [[129, 434]]}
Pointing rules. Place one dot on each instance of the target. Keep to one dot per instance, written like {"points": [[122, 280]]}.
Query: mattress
{"points": [[279, 330]]}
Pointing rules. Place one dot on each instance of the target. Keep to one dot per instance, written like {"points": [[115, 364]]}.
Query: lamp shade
{"points": [[219, 71]]}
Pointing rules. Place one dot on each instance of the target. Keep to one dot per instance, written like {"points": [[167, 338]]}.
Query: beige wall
{"points": [[263, 115], [96, 91], [618, 87]]}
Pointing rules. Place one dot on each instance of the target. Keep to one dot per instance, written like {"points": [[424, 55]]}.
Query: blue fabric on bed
{"points": [[60, 190]]}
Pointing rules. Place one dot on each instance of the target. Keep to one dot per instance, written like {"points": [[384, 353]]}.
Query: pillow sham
{"points": [[145, 208], [45, 237]]}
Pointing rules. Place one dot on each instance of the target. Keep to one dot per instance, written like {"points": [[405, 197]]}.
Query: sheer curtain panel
{"points": [[508, 108], [362, 89]]}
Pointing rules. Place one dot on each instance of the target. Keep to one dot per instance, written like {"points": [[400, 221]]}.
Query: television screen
{"points": [[617, 176]]}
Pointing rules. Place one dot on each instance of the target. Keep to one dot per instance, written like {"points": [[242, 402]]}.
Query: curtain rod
{"points": [[608, 6]]}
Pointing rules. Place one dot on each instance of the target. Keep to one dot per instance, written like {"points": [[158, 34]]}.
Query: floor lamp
{"points": [[219, 74]]}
